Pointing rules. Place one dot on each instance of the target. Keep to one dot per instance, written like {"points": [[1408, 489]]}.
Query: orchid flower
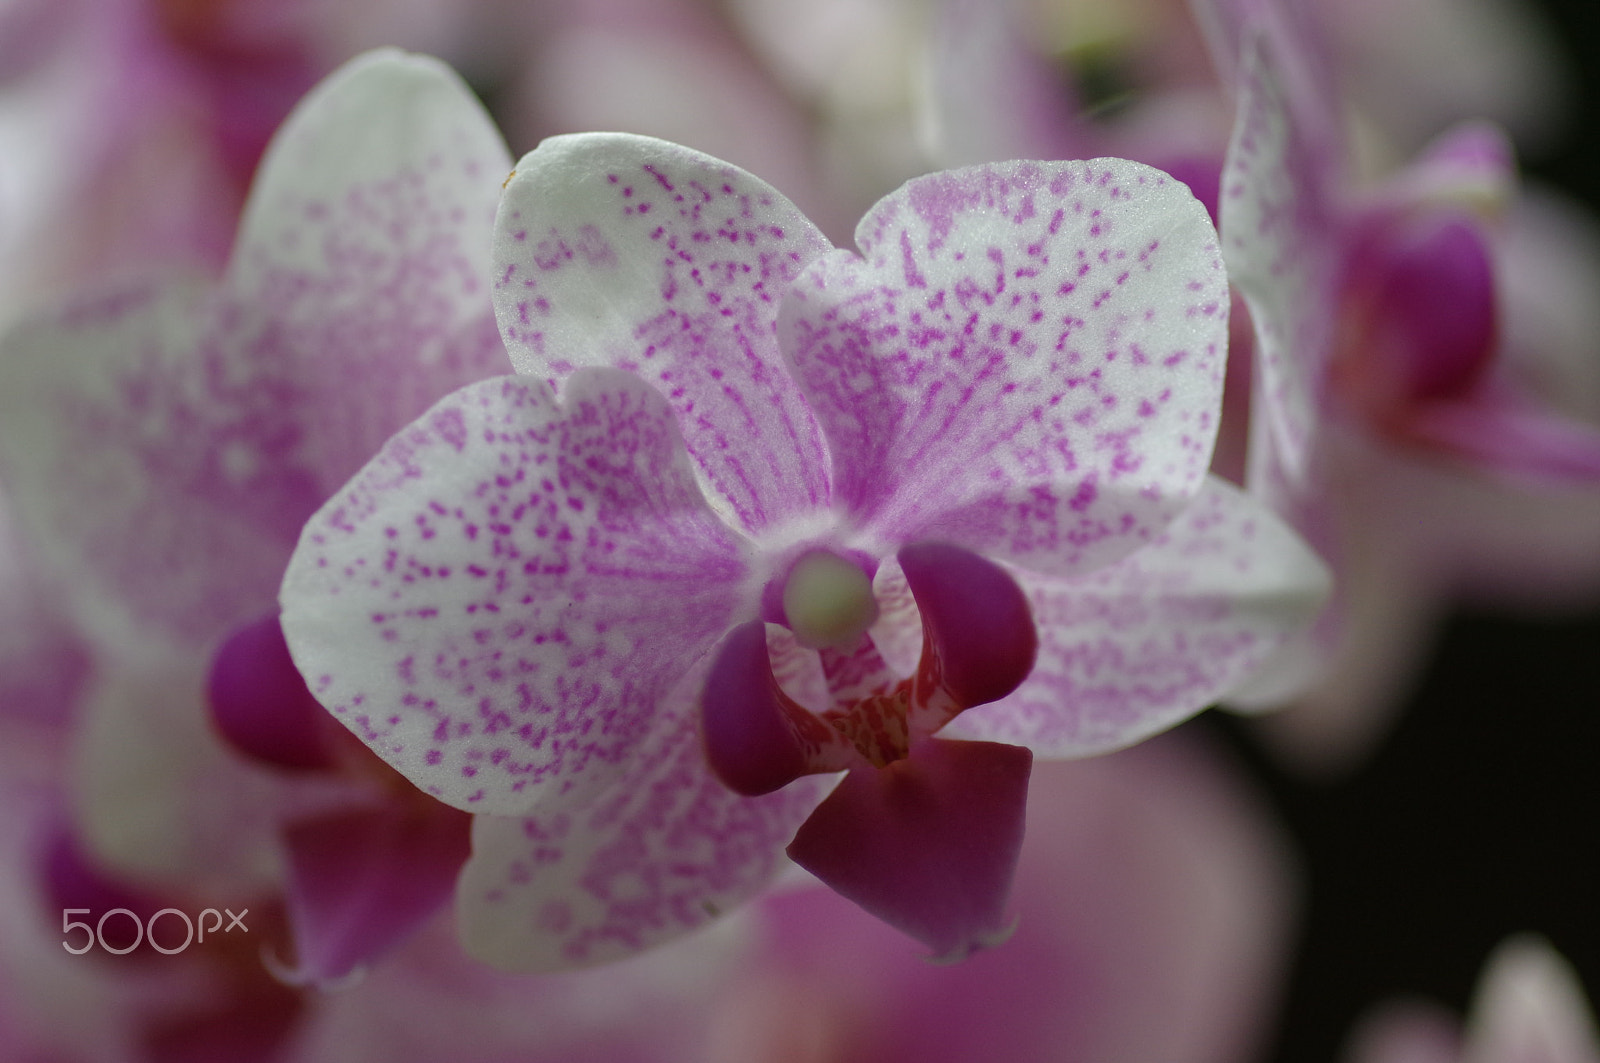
{"points": [[758, 512], [1390, 422], [163, 444], [1528, 1007]]}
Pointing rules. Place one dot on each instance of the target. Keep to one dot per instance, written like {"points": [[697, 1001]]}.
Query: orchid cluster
{"points": [[583, 612]]}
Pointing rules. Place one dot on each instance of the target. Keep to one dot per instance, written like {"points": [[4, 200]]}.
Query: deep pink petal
{"points": [[361, 881], [1277, 221], [927, 844], [1153, 909], [1420, 321], [1028, 363], [664, 852], [624, 251], [981, 642], [260, 703], [1139, 646], [758, 738], [497, 604]]}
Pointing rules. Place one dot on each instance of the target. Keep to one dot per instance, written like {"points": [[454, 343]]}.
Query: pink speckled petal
{"points": [[1028, 363], [361, 274], [499, 601], [116, 455], [661, 854], [1135, 648], [167, 446], [363, 880], [630, 252], [1276, 218]]}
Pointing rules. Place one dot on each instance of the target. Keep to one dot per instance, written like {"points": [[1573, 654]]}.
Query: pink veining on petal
{"points": [[630, 252], [497, 604], [928, 844], [1027, 362]]}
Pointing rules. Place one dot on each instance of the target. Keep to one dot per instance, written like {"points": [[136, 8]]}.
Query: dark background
{"points": [[1479, 817]]}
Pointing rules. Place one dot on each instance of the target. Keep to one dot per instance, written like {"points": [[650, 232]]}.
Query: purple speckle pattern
{"points": [[171, 442], [1276, 224], [500, 601], [665, 852], [1027, 362], [623, 251], [1138, 646]]}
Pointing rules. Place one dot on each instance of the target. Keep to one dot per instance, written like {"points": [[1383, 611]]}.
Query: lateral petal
{"points": [[500, 600], [1134, 648]]}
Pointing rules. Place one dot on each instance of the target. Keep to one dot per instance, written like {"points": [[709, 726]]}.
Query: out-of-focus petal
{"points": [[1276, 237], [166, 448], [361, 270], [122, 461], [1529, 1008], [43, 659], [1134, 648], [991, 94], [1511, 438], [665, 851], [159, 797], [1027, 364], [624, 251], [500, 600], [363, 880]]}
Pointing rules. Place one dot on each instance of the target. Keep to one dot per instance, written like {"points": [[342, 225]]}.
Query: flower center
{"points": [[978, 646], [827, 600]]}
